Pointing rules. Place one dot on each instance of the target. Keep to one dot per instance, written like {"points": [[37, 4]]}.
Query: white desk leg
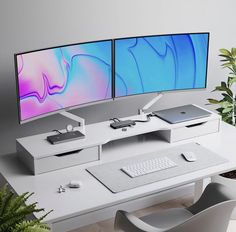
{"points": [[199, 187]]}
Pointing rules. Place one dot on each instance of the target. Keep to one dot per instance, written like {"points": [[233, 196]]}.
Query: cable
{"points": [[148, 119], [151, 115], [57, 131], [115, 119]]}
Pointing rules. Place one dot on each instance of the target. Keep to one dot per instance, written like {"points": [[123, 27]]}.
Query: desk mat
{"points": [[115, 180]]}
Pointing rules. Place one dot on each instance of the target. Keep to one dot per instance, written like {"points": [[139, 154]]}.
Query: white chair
{"points": [[211, 213]]}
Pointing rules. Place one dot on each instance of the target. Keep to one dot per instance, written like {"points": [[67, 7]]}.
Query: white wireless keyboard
{"points": [[148, 166]]}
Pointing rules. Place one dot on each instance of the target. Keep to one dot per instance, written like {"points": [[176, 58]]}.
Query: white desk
{"points": [[95, 202]]}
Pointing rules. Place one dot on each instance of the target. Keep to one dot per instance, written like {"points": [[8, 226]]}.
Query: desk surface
{"points": [[93, 195]]}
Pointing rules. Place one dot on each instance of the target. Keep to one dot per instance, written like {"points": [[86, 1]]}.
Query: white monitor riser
{"points": [[40, 156]]}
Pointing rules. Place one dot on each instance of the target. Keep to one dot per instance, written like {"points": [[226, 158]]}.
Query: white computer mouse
{"points": [[189, 156], [75, 184]]}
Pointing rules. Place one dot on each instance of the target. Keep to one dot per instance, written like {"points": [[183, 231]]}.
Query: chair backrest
{"points": [[212, 219], [211, 213], [127, 222], [213, 194]]}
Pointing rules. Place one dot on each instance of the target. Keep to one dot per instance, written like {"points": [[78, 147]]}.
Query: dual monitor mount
{"points": [[150, 104], [117, 124], [80, 132]]}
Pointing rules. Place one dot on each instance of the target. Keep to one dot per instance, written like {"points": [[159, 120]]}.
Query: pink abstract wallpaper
{"points": [[57, 78]]}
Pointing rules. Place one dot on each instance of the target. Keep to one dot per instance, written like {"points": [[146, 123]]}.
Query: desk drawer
{"points": [[191, 131], [66, 159], [194, 130]]}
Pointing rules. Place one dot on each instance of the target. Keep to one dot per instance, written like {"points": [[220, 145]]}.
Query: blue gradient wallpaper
{"points": [[160, 63]]}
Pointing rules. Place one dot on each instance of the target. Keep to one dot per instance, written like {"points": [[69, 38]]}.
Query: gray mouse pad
{"points": [[111, 175]]}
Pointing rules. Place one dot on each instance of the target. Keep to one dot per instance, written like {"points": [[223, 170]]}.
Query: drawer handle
{"points": [[68, 153], [197, 124]]}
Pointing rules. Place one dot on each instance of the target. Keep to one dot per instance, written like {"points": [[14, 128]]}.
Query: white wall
{"points": [[31, 24]]}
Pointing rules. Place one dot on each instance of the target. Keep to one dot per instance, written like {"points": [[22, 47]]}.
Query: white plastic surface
{"points": [[148, 166]]}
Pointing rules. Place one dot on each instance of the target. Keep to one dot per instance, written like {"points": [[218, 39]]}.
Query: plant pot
{"points": [[231, 183]]}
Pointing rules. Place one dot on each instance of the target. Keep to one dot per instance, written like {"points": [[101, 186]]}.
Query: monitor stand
{"points": [[150, 103]]}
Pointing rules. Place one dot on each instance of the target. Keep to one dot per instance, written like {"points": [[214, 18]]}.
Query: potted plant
{"points": [[227, 108], [14, 213]]}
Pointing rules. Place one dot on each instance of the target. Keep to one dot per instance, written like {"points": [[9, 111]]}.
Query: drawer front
{"points": [[69, 159], [192, 131]]}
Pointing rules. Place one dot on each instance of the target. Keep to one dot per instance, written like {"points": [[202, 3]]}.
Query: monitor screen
{"points": [[57, 78], [160, 63]]}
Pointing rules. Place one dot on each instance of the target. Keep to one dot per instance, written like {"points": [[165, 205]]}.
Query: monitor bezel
{"points": [[163, 91], [66, 108]]}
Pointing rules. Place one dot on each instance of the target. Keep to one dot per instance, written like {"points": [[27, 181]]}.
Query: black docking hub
{"points": [[121, 124], [65, 137]]}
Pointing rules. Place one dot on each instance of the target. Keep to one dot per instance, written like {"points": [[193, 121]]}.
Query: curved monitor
{"points": [[160, 63], [63, 77]]}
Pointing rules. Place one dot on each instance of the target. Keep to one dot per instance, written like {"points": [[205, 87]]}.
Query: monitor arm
{"points": [[150, 103], [81, 121]]}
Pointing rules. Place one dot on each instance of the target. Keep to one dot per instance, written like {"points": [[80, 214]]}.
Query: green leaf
{"points": [[227, 97], [219, 109], [231, 69], [232, 80], [233, 52], [234, 67], [226, 118], [223, 84], [218, 88], [227, 110], [226, 56], [14, 211], [225, 104], [227, 65], [224, 51], [223, 60], [229, 92], [213, 101], [223, 88]]}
